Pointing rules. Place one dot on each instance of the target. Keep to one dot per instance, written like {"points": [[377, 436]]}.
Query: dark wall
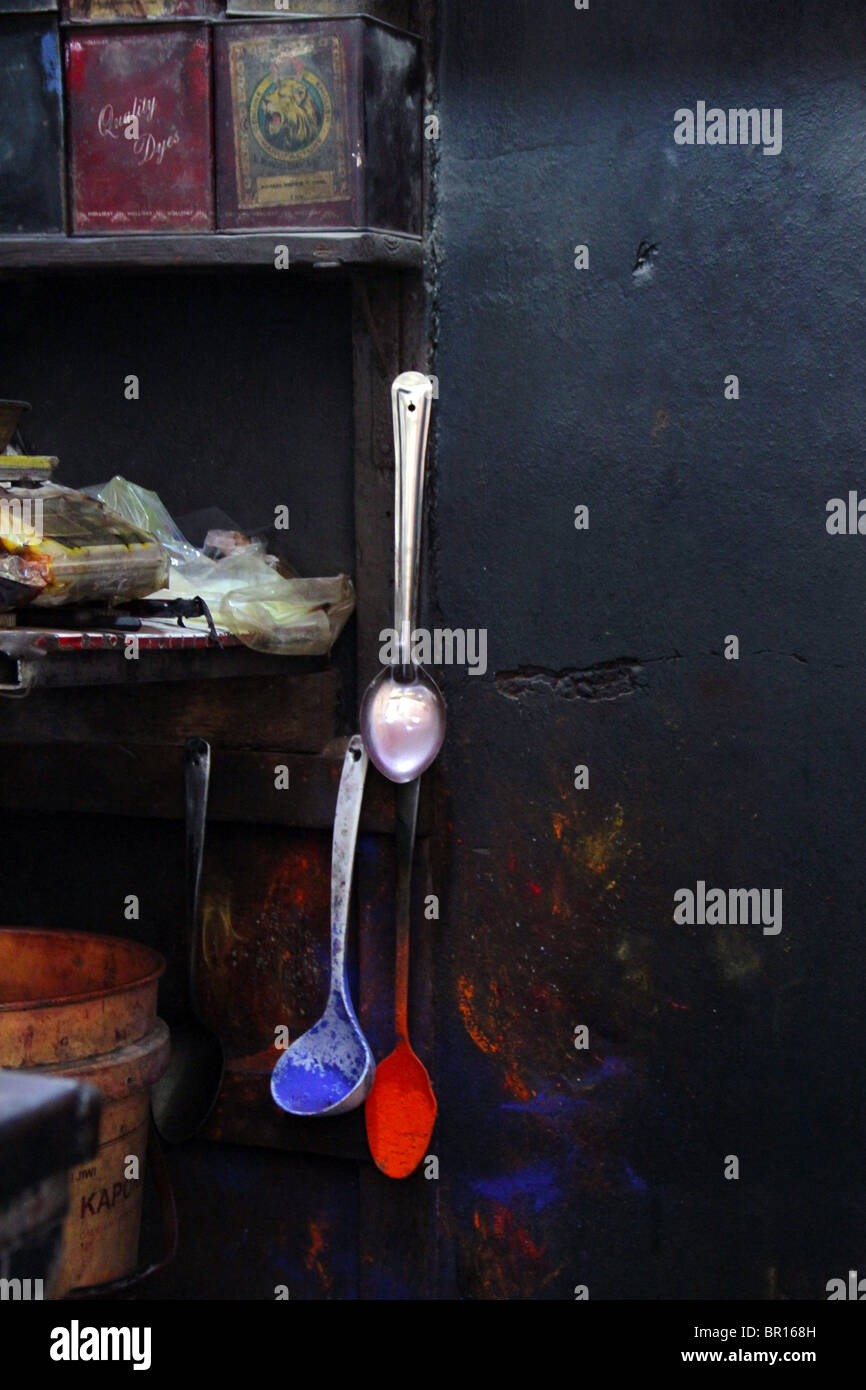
{"points": [[605, 387]]}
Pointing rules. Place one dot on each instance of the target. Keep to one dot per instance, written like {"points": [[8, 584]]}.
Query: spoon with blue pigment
{"points": [[330, 1068]]}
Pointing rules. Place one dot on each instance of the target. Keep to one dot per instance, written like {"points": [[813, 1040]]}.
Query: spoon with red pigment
{"points": [[401, 1108]]}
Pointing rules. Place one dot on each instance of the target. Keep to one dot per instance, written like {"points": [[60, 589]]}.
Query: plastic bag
{"points": [[245, 594], [145, 510]]}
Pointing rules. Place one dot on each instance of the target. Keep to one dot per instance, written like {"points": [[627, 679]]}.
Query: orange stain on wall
{"points": [[318, 1245], [470, 1015], [514, 1086], [593, 852], [503, 1250], [600, 847]]}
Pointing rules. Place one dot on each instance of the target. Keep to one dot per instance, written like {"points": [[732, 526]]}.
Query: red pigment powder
{"points": [[400, 1113]]}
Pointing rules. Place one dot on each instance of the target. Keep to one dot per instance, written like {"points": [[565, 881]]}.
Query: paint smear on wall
{"points": [[537, 1187], [316, 1247], [51, 62], [479, 1032], [508, 1259], [593, 851]]}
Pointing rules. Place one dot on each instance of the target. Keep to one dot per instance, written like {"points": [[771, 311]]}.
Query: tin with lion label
{"points": [[318, 124]]}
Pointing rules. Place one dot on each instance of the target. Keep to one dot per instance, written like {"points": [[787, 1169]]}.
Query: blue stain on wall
{"points": [[51, 62], [635, 1179], [547, 1103], [538, 1184], [607, 1068]]}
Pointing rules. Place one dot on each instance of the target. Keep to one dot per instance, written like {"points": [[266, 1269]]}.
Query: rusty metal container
{"points": [[83, 1006], [318, 124]]}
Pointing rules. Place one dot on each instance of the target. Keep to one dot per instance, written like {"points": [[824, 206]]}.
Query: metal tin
{"points": [[318, 125], [66, 996], [392, 11], [27, 6], [132, 11], [140, 141], [31, 122], [102, 1227], [82, 1006]]}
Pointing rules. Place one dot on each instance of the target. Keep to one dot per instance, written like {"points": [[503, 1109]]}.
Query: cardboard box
{"points": [[141, 153], [318, 124]]}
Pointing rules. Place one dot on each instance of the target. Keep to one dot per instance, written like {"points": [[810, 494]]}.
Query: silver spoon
{"points": [[403, 712], [330, 1068]]}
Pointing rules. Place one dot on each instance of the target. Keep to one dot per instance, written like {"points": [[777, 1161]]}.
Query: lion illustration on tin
{"points": [[290, 111]]}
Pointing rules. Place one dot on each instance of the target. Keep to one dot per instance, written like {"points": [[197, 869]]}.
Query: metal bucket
{"points": [[83, 1006]]}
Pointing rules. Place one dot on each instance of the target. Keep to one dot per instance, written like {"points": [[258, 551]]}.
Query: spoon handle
{"points": [[197, 786], [411, 395], [407, 818], [348, 814]]}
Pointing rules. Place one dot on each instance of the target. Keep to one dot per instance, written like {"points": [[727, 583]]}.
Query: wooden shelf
{"points": [[213, 250], [40, 658]]}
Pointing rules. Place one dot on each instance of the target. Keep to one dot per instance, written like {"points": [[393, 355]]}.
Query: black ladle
{"points": [[185, 1095]]}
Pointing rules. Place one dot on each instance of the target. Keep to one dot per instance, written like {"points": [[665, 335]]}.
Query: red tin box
{"points": [[318, 124], [139, 114]]}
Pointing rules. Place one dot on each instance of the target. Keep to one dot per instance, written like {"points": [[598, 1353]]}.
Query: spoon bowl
{"points": [[328, 1070], [400, 1112], [403, 722], [190, 1084]]}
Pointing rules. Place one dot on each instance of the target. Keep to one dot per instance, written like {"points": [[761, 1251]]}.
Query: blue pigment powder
{"points": [[311, 1089]]}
